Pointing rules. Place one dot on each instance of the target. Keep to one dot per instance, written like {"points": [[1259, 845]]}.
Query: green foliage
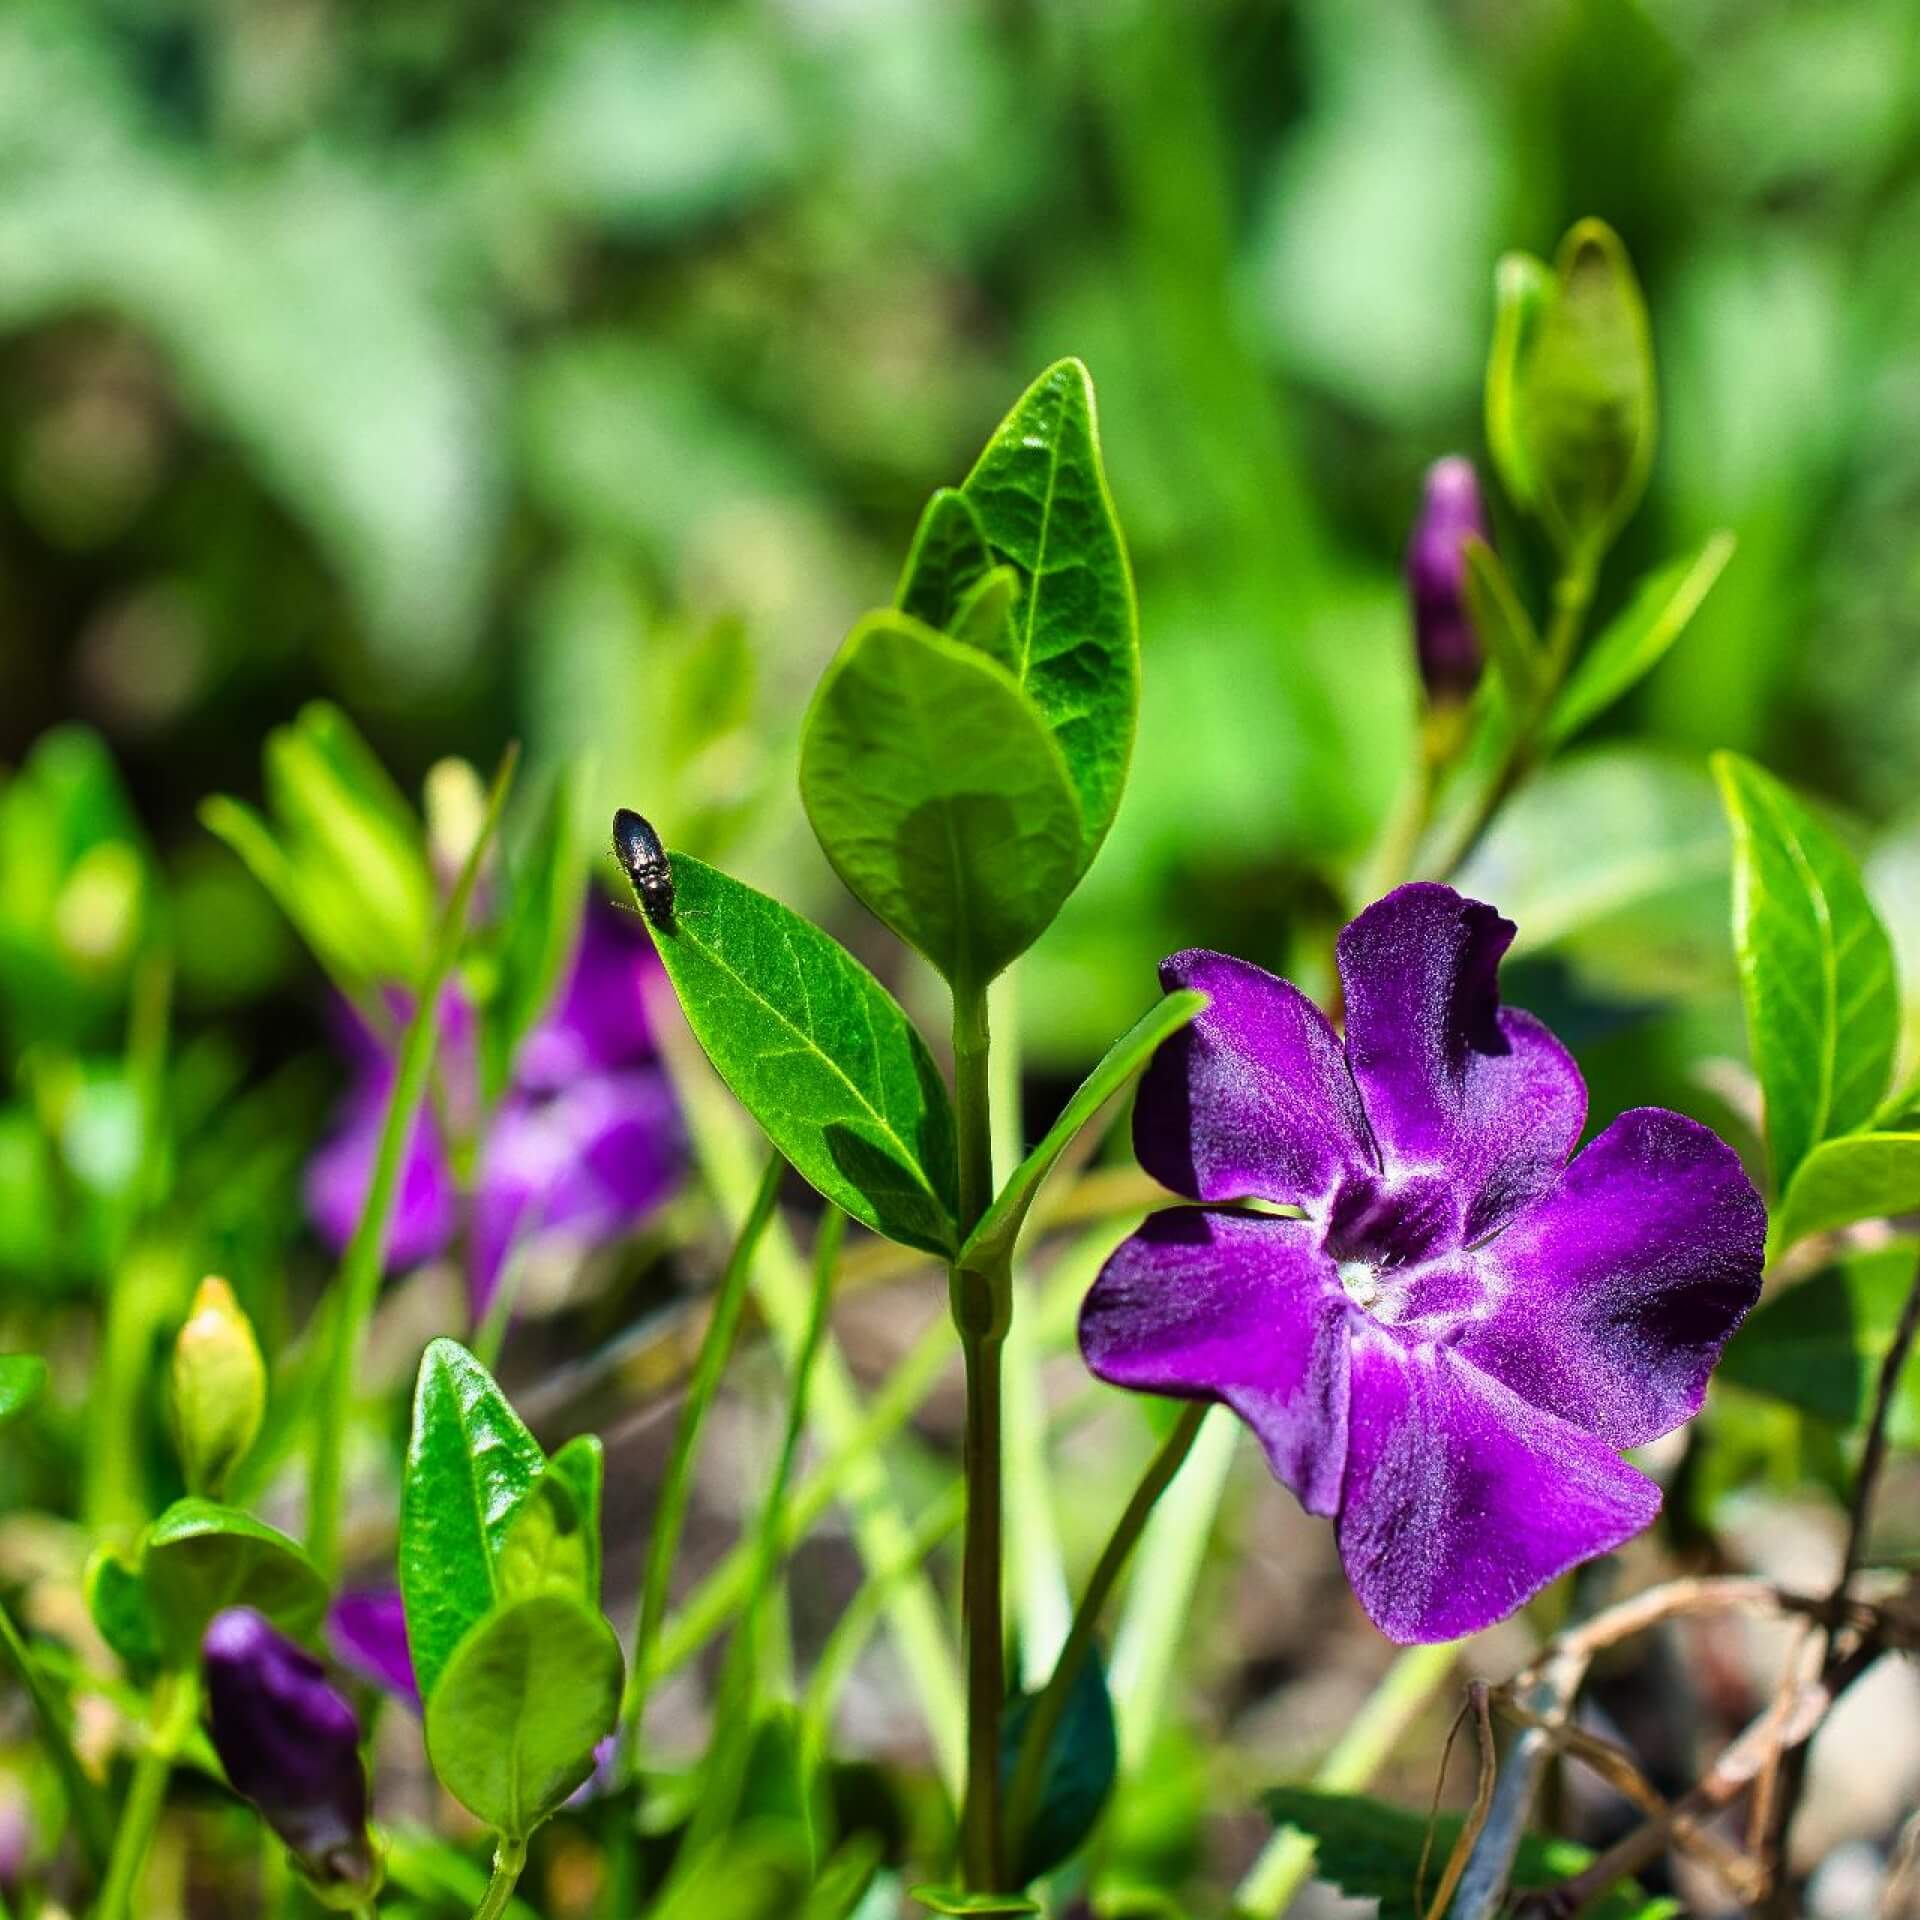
{"points": [[817, 1051], [1819, 1345], [581, 1465], [1576, 407], [23, 1379], [946, 1899], [519, 1706], [117, 1601], [217, 1389], [947, 564], [1631, 646], [343, 853], [940, 797], [199, 1558], [1041, 495], [1076, 1777], [1372, 1851], [1522, 291], [470, 1465], [1504, 628], [1816, 968], [1859, 1176]]}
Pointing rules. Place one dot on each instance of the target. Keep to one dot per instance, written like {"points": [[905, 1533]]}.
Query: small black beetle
{"points": [[637, 847]]}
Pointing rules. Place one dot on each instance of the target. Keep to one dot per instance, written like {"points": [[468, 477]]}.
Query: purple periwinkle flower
{"points": [[367, 1631], [1444, 640], [585, 1144], [1445, 1353], [290, 1744]]}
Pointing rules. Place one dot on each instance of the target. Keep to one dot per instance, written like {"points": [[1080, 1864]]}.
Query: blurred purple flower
{"points": [[290, 1744], [1444, 639], [1444, 1354], [368, 1633], [585, 1144]]}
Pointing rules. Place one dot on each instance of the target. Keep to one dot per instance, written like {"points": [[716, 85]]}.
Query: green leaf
{"points": [[117, 1600], [818, 1051], [1632, 645], [939, 797], [1077, 1775], [582, 1464], [984, 619], [946, 563], [520, 1706], [1816, 968], [1819, 1345], [545, 1549], [1583, 402], [1522, 286], [1859, 1176], [200, 1557], [939, 1899], [23, 1379], [470, 1464], [1371, 1851], [1041, 495], [1000, 1225], [1502, 624]]}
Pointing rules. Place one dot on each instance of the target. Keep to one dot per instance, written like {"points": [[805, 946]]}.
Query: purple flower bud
{"points": [[1443, 636], [290, 1744]]}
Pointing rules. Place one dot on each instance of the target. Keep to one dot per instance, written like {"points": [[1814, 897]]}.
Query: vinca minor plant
{"points": [[1372, 1230]]}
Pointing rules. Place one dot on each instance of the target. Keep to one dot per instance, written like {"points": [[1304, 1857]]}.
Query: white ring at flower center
{"points": [[1360, 1281]]}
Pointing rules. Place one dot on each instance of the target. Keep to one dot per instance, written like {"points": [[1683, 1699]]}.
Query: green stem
{"points": [[677, 1488], [509, 1861], [1287, 1859], [1572, 595], [83, 1800], [981, 1298], [358, 1284], [177, 1700], [1024, 1795]]}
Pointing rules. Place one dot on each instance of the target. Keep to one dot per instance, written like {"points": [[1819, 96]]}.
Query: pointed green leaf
{"points": [[1632, 645], [1076, 1776], [117, 1600], [1522, 286], [522, 1702], [546, 1547], [1502, 624], [1371, 1850], [1000, 1225], [941, 1899], [1584, 394], [939, 797], [200, 1557], [1816, 968], [984, 620], [1859, 1176], [818, 1051], [581, 1463], [23, 1379], [1041, 494], [1819, 1345], [470, 1464], [947, 561]]}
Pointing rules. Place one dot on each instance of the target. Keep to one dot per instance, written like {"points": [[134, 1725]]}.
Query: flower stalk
{"points": [[981, 1295], [176, 1701], [509, 1862]]}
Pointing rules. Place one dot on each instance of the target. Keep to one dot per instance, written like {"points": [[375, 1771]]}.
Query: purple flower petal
{"points": [[1462, 1501], [1612, 1296], [1450, 1080], [1253, 1098], [426, 1209], [600, 1018], [1241, 1308], [588, 1164], [368, 1634]]}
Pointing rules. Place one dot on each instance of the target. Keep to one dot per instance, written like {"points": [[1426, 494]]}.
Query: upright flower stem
{"points": [[358, 1284], [83, 1800], [176, 1701], [509, 1861], [981, 1299], [1030, 1769]]}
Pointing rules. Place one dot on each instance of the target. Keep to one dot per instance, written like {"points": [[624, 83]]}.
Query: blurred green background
{"points": [[577, 373]]}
